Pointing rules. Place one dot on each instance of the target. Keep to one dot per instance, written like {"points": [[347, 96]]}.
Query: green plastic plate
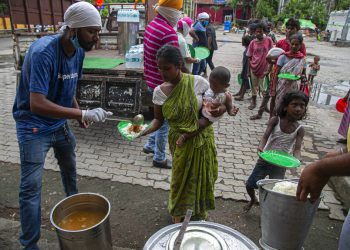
{"points": [[122, 130], [239, 79], [201, 52], [192, 51], [266, 83], [289, 76], [280, 159]]}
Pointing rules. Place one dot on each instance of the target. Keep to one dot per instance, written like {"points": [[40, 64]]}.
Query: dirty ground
{"points": [[137, 213]]}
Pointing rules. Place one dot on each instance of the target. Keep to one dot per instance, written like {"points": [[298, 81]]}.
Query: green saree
{"points": [[195, 167]]}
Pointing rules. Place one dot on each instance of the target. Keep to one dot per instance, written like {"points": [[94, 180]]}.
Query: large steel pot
{"points": [[285, 222], [227, 238], [97, 237]]}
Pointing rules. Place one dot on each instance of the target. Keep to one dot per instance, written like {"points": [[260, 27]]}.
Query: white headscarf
{"points": [[203, 15], [170, 14], [81, 14]]}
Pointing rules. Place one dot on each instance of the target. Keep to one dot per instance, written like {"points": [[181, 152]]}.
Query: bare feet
{"points": [[233, 111], [255, 117], [247, 207]]}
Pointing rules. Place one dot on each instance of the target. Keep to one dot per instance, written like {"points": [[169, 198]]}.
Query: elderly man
{"points": [[45, 100], [200, 39], [159, 31]]}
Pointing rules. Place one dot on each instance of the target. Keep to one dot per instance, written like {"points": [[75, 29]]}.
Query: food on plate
{"points": [[133, 129]]}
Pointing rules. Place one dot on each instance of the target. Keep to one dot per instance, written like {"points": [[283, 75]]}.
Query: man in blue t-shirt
{"points": [[200, 39], [45, 100]]}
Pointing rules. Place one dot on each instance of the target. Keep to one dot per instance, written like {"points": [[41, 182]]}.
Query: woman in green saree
{"points": [[195, 166]]}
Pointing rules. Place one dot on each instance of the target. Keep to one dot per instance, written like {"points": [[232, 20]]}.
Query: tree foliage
{"points": [[3, 7], [233, 5], [313, 10], [342, 4], [266, 8], [104, 12], [215, 8]]}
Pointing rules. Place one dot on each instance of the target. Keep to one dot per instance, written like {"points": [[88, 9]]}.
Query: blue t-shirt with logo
{"points": [[48, 71]]}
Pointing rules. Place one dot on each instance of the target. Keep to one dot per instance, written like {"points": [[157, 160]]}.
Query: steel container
{"points": [[285, 222], [128, 28], [197, 235], [93, 238]]}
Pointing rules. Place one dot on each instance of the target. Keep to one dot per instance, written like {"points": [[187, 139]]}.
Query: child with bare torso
{"points": [[216, 95], [314, 68]]}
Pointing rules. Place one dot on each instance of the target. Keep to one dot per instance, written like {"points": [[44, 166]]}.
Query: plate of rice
{"points": [[130, 131]]}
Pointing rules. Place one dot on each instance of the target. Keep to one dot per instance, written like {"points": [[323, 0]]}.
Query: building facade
{"points": [[219, 10]]}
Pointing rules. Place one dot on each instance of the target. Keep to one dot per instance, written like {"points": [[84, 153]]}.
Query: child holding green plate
{"points": [[283, 134]]}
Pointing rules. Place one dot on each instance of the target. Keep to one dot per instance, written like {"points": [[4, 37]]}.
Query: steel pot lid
{"points": [[198, 238]]}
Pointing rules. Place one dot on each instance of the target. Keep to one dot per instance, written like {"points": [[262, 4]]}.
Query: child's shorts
{"points": [[263, 169], [313, 72]]}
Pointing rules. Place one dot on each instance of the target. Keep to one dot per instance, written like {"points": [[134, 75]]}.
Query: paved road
{"points": [[102, 153]]}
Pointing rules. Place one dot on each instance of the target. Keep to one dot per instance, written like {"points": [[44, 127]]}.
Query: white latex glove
{"points": [[197, 60], [95, 115]]}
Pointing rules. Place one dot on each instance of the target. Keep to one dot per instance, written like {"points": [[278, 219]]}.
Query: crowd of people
{"points": [[191, 104], [186, 105]]}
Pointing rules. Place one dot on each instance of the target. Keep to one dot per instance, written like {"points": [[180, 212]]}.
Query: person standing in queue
{"points": [[316, 175], [183, 28], [159, 31], [257, 52], [44, 101], [195, 167], [292, 27], [212, 44], [199, 35]]}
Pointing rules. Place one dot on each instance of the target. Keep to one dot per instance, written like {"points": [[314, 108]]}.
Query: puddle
{"points": [[325, 94]]}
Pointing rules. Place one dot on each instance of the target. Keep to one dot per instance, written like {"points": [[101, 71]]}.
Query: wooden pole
{"points": [[41, 16], [26, 15], [62, 10], [53, 16], [11, 17]]}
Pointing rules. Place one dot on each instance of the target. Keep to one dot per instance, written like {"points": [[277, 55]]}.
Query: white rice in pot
{"points": [[286, 187]]}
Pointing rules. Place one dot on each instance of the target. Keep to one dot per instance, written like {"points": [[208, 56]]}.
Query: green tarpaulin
{"points": [[304, 24], [101, 63]]}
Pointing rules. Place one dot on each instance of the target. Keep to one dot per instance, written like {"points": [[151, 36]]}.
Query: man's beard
{"points": [[85, 45]]}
